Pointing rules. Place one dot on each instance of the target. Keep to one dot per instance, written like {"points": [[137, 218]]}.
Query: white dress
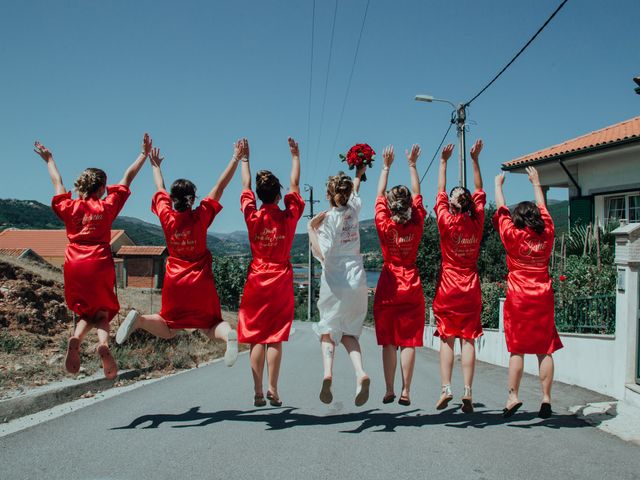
{"points": [[343, 285]]}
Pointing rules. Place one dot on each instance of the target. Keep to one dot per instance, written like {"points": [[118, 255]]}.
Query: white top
{"points": [[339, 233]]}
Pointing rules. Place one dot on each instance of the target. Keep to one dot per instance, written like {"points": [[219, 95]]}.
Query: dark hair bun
{"points": [[183, 194], [267, 186]]}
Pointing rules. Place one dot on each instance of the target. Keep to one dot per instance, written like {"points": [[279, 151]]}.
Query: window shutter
{"points": [[580, 211]]}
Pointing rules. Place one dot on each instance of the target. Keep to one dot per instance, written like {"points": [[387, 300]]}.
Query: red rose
{"points": [[562, 278]]}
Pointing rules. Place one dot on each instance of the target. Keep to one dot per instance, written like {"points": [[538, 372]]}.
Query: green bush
{"points": [[491, 294], [9, 343], [230, 274]]}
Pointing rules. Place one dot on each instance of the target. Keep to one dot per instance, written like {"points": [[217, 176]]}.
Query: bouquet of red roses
{"points": [[357, 156]]}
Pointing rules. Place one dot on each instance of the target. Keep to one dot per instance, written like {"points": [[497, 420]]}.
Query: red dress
{"points": [[458, 301], [189, 296], [266, 309], [399, 307], [529, 324], [89, 272]]}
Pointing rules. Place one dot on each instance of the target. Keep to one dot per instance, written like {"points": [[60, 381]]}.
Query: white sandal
{"points": [[126, 328], [231, 354]]}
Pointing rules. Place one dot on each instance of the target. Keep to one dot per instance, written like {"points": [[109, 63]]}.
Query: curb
{"points": [[48, 396]]}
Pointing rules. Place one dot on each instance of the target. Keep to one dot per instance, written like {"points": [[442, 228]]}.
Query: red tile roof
{"points": [[622, 132], [12, 252], [147, 251], [46, 243]]}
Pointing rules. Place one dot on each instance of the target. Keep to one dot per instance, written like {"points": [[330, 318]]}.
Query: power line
{"points": [[519, 53], [353, 66], [326, 82], [313, 24], [435, 154]]}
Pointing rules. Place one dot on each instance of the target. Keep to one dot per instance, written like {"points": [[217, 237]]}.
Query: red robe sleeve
{"points": [[62, 205], [294, 205], [479, 201], [504, 224], [418, 207], [549, 227], [208, 210], [382, 214], [442, 209], [116, 197], [162, 206]]}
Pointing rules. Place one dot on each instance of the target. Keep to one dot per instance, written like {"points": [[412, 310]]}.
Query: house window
{"points": [[623, 207]]}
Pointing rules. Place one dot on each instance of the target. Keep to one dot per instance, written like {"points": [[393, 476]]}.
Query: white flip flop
{"points": [[231, 354], [125, 330]]}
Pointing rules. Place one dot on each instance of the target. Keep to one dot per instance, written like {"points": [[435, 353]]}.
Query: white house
{"points": [[601, 170]]}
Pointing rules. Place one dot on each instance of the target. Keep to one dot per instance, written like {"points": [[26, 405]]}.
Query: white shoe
{"points": [[127, 327], [231, 354]]}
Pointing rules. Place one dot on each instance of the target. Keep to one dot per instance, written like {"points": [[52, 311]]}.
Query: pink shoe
{"points": [[109, 364], [72, 360]]}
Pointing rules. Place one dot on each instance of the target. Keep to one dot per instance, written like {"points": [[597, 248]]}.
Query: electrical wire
{"points": [[519, 53], [346, 95], [435, 154], [313, 25]]}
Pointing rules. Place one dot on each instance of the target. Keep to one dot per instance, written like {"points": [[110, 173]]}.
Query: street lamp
{"points": [[459, 119]]}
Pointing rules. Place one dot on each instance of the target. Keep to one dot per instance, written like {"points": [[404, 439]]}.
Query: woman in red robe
{"points": [[89, 272], [266, 309], [458, 300], [399, 307], [529, 323], [189, 296]]}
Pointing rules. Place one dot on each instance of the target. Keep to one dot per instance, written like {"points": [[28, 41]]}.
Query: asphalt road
{"points": [[202, 425]]}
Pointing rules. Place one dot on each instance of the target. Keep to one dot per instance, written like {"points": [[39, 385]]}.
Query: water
{"points": [[299, 271]]}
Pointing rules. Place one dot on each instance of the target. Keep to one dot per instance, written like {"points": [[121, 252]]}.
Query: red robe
{"points": [[89, 272], [529, 324], [266, 309], [189, 296], [399, 307], [458, 301]]}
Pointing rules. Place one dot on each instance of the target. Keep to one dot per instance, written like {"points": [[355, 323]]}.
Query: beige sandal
{"points": [[445, 398]]}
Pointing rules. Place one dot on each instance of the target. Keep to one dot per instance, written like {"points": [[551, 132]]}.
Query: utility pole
{"points": [[310, 271], [461, 117], [637, 80]]}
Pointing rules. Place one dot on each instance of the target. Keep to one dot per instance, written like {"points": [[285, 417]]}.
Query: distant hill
{"points": [[30, 214]]}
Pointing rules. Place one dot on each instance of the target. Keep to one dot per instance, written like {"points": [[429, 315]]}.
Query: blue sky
{"points": [[88, 78]]}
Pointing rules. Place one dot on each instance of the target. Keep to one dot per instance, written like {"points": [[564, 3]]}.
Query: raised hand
{"points": [[293, 146], [533, 175], [446, 152], [147, 145], [155, 158], [238, 149], [388, 156], [499, 180], [43, 151], [412, 156], [476, 149]]}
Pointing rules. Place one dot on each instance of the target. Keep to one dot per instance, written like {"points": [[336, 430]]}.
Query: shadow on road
{"points": [[289, 417]]}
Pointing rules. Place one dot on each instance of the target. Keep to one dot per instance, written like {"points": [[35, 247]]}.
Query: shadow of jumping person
{"points": [[290, 417]]}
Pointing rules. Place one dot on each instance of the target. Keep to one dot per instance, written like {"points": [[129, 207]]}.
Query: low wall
{"points": [[585, 360]]}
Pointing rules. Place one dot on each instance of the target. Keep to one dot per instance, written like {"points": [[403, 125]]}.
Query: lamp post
{"points": [[459, 119]]}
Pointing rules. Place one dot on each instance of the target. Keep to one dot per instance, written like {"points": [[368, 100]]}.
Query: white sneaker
{"points": [[127, 327], [231, 354]]}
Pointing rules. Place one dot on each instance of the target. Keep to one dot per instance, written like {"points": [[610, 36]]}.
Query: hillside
{"points": [[35, 215]]}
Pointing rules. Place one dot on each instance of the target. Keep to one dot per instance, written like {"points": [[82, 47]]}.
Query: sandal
{"points": [[109, 364], [326, 396], [445, 398], [509, 411], [467, 401], [545, 410], [389, 398], [72, 361], [404, 400], [259, 401], [273, 400], [362, 393]]}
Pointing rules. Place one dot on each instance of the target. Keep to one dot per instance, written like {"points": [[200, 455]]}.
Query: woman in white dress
{"points": [[335, 242]]}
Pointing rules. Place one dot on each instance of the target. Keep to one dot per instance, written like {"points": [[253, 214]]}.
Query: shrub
{"points": [[491, 294], [9, 343], [230, 274]]}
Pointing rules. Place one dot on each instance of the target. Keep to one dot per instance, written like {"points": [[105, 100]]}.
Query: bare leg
{"points": [[82, 328], [516, 368], [155, 325], [468, 361], [447, 346], [72, 358], [274, 358], [220, 331], [353, 349], [389, 363], [407, 362], [545, 363], [109, 364], [328, 351], [257, 355]]}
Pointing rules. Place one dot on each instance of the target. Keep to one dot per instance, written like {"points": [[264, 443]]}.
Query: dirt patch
{"points": [[35, 326]]}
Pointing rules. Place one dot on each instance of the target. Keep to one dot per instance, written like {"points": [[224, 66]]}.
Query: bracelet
{"points": [[385, 168], [412, 165]]}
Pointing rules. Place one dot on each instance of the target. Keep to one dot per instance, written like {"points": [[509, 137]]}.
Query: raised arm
{"points": [[312, 228], [227, 174], [412, 158], [475, 157], [135, 167], [442, 173], [537, 189], [156, 159], [246, 170], [47, 156], [388, 156], [294, 185], [358, 180], [499, 195]]}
